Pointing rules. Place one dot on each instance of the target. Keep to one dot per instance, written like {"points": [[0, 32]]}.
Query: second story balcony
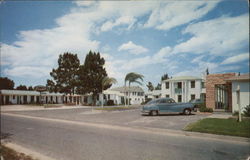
{"points": [[178, 90]]}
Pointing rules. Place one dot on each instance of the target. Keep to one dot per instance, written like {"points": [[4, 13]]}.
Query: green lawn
{"points": [[221, 126], [115, 108]]}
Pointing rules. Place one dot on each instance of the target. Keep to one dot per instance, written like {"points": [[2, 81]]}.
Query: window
{"points": [[202, 84], [179, 85], [192, 96], [14, 97], [170, 100], [192, 84], [163, 101], [167, 96], [167, 85], [108, 96], [179, 98]]}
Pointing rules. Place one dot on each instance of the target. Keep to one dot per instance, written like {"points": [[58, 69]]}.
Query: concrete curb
{"points": [[147, 130], [21, 149]]}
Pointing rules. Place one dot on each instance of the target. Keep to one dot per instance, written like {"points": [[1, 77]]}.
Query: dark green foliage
{"points": [[6, 83], [51, 86], [150, 86], [65, 76], [110, 103], [247, 111], [158, 87], [203, 108], [21, 87], [164, 77], [31, 88], [91, 75]]}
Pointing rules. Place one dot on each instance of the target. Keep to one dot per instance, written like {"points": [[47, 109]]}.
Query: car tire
{"points": [[154, 113], [187, 111]]}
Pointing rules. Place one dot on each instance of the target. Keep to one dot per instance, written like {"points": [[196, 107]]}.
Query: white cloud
{"points": [[132, 48], [125, 20], [29, 71], [236, 59], [173, 14], [159, 57], [217, 36]]}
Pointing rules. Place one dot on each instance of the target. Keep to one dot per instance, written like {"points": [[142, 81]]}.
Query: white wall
{"points": [[244, 95]]}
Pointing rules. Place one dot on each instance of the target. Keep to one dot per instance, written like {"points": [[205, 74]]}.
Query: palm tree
{"points": [[107, 81], [132, 77]]}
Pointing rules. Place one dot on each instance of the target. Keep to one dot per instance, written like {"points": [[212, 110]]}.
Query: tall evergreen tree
{"points": [[65, 76], [6, 83], [91, 75]]}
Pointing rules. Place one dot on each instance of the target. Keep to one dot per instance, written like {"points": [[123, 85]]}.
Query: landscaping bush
{"points": [[203, 108], [110, 103], [246, 112]]}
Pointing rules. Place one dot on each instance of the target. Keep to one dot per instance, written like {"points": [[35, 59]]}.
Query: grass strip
{"points": [[221, 126], [10, 154]]}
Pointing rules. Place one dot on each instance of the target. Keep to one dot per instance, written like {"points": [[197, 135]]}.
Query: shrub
{"points": [[246, 112], [203, 108], [110, 102]]}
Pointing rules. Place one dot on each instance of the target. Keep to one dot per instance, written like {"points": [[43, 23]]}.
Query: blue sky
{"points": [[148, 37]]}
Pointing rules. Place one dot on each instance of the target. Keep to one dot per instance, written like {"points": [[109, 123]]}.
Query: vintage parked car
{"points": [[166, 105]]}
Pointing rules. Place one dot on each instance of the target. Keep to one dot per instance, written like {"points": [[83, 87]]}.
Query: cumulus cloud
{"points": [[132, 48], [217, 36], [236, 59]]}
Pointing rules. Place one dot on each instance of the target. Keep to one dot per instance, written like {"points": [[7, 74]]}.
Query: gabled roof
{"points": [[128, 89]]}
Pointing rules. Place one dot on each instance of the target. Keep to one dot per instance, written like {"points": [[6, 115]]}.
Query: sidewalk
{"points": [[6, 108]]}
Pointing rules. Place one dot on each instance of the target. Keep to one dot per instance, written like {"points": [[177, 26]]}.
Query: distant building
{"points": [[135, 93], [183, 88], [34, 97], [153, 94]]}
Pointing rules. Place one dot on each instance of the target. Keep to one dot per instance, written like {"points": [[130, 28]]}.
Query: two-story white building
{"points": [[183, 88], [135, 93]]}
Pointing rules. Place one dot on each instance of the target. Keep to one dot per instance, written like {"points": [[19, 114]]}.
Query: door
{"points": [[163, 105]]}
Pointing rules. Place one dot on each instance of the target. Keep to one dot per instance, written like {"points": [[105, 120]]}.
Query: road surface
{"points": [[64, 141]]}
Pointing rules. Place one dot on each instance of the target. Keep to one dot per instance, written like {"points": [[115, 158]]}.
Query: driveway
{"points": [[131, 118]]}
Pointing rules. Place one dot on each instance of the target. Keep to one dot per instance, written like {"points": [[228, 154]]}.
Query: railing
{"points": [[178, 90]]}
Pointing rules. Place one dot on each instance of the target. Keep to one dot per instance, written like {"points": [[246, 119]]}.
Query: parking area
{"points": [[132, 118]]}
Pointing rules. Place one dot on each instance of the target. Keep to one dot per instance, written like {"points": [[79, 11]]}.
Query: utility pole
{"points": [[238, 101]]}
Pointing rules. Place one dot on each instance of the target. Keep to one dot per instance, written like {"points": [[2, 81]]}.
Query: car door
{"points": [[163, 106], [172, 106]]}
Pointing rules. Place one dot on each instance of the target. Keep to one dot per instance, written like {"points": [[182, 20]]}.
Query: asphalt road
{"points": [[64, 141], [123, 118]]}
